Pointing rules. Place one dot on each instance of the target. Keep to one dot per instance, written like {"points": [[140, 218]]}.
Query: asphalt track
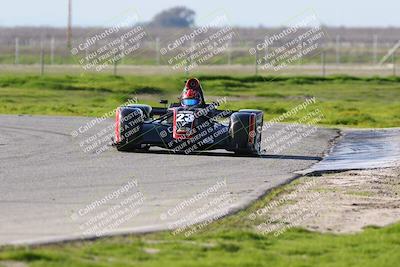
{"points": [[362, 149], [47, 180]]}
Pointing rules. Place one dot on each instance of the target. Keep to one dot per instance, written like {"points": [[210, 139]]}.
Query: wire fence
{"points": [[338, 50], [29, 51]]}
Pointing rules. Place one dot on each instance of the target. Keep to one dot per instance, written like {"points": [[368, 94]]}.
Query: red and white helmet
{"points": [[192, 93]]}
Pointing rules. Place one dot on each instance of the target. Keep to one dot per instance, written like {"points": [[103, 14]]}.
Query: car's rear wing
{"points": [[159, 111], [225, 113]]}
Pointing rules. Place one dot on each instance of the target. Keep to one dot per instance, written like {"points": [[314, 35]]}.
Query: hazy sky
{"points": [[245, 13]]}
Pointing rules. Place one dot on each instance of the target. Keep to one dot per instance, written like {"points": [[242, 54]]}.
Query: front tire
{"points": [[128, 127], [146, 109]]}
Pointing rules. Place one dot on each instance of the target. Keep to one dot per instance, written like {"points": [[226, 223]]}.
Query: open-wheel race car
{"points": [[189, 126]]}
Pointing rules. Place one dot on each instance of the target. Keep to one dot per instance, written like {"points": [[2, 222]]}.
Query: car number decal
{"points": [[184, 117]]}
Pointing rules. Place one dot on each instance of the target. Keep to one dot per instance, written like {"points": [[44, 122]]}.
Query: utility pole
{"points": [[69, 27]]}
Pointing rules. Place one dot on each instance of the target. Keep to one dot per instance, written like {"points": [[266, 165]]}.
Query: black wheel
{"points": [[141, 148], [146, 109], [128, 126], [245, 132]]}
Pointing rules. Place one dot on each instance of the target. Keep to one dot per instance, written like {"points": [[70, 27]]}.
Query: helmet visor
{"points": [[190, 101]]}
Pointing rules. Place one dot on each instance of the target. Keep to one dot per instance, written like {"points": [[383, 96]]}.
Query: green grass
{"points": [[231, 241], [344, 100], [350, 101]]}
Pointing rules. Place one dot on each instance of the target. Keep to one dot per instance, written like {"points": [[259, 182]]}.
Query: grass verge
{"points": [[344, 100], [231, 241]]}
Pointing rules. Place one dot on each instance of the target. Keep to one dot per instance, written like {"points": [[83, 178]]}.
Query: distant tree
{"points": [[180, 17]]}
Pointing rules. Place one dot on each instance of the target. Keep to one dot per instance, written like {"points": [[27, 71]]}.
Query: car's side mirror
{"points": [[164, 101]]}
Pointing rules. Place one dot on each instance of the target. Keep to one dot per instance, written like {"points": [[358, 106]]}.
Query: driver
{"points": [[192, 94]]}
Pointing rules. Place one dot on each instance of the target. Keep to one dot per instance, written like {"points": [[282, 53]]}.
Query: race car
{"points": [[188, 126]]}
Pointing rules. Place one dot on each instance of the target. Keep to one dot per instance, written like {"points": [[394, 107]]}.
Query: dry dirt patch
{"points": [[343, 202]]}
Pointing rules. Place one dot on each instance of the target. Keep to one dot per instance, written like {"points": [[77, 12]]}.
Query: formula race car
{"points": [[188, 126]]}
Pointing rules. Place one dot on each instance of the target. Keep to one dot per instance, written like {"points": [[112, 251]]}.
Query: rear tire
{"points": [[245, 132]]}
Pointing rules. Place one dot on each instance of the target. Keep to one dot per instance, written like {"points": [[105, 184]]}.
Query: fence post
{"points": [[187, 72], [337, 49], [256, 56], [41, 58], [394, 63], [158, 51], [323, 63], [16, 50], [229, 51], [87, 51], [52, 51], [115, 68], [375, 48]]}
